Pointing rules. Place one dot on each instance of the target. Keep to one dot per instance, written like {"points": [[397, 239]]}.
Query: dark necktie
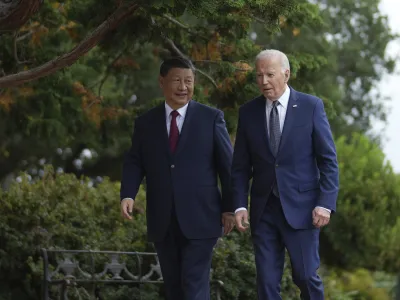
{"points": [[274, 136], [274, 128], [173, 132]]}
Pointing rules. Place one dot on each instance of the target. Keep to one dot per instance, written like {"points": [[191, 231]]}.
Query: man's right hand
{"points": [[126, 208], [242, 220]]}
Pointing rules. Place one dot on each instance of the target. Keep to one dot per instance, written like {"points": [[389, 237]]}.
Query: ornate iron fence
{"points": [[85, 274]]}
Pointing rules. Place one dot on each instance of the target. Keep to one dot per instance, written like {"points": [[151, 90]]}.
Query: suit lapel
{"points": [[291, 115], [190, 112], [161, 128]]}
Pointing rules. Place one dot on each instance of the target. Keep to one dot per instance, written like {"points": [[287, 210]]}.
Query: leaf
{"points": [[296, 31], [90, 103], [26, 91], [6, 101], [38, 34], [126, 62]]}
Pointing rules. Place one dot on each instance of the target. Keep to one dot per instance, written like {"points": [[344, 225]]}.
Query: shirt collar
{"points": [[283, 100], [181, 111]]}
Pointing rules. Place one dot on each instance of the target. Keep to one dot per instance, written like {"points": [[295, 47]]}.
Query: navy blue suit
{"points": [[305, 170], [184, 202]]}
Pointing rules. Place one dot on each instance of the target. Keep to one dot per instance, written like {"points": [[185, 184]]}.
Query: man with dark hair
{"points": [[176, 62], [181, 147]]}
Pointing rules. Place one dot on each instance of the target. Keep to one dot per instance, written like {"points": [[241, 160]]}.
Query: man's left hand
{"points": [[321, 217], [228, 221]]}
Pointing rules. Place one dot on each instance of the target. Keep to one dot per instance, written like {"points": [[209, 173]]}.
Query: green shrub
{"points": [[233, 263], [360, 284], [60, 211], [365, 231]]}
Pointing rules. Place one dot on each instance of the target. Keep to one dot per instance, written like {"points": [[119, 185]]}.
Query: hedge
{"points": [[62, 211]]}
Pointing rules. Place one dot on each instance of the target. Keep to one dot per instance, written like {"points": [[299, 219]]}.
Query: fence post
{"points": [[398, 287], [45, 287]]}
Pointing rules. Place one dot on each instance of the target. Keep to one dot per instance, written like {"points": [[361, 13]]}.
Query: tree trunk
{"points": [[15, 13], [67, 59]]}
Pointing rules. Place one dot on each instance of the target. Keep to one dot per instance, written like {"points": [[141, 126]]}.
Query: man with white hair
{"points": [[285, 145]]}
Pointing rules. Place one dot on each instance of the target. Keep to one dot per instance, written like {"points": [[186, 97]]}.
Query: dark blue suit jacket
{"points": [[186, 181], [305, 167]]}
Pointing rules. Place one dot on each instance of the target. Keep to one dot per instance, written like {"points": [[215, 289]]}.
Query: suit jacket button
{"points": [[276, 165], [172, 166]]}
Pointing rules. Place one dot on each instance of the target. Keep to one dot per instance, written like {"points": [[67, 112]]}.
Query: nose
{"points": [[264, 80], [182, 85]]}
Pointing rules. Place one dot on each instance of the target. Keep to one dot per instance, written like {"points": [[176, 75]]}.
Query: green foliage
{"points": [[360, 284], [349, 57], [60, 211], [233, 263], [88, 105], [365, 231]]}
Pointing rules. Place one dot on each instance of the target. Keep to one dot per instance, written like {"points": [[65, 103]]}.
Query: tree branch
{"points": [[104, 79], [219, 62], [208, 77], [176, 22], [24, 36], [259, 20], [15, 13], [173, 48], [16, 50], [183, 26], [29, 33], [122, 13], [107, 73]]}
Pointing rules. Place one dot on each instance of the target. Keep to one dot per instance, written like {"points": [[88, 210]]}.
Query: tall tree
{"points": [[45, 106], [91, 103], [351, 45]]}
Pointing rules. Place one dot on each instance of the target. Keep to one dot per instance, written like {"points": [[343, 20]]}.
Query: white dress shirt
{"points": [[282, 108], [179, 119]]}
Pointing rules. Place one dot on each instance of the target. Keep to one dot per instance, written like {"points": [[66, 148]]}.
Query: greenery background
{"points": [[79, 121]]}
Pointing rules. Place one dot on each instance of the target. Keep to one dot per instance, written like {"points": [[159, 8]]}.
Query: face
{"points": [[271, 80], [177, 87]]}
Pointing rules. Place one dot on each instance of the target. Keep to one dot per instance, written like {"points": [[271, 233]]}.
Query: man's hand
{"points": [[321, 217], [126, 208], [242, 220], [228, 221]]}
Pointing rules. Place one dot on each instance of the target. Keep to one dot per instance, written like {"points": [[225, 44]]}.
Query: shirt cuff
{"points": [[127, 199], [324, 208], [239, 209], [242, 208]]}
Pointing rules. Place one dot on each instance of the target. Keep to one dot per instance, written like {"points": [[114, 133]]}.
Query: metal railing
{"points": [[84, 274]]}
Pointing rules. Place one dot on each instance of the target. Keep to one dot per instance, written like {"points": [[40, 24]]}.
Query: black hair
{"points": [[175, 62]]}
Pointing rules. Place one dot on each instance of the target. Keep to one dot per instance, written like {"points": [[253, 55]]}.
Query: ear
{"points": [[287, 75]]}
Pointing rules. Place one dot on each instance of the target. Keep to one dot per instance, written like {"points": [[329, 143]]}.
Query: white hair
{"points": [[269, 53]]}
